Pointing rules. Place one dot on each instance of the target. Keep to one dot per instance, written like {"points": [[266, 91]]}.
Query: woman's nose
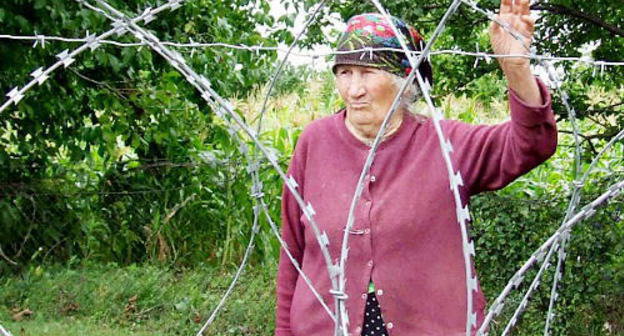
{"points": [[357, 87]]}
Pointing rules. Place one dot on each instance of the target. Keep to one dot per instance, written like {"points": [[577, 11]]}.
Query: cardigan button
{"points": [[364, 296], [373, 178], [389, 325], [358, 330], [370, 263], [380, 292]]}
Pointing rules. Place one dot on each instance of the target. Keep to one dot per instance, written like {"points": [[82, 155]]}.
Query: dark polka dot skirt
{"points": [[373, 322]]}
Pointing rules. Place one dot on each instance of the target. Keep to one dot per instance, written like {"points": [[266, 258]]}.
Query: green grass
{"points": [[97, 300], [71, 326]]}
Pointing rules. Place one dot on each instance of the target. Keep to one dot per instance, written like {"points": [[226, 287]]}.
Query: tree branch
{"points": [[588, 139], [106, 85], [560, 9], [607, 108], [7, 258]]}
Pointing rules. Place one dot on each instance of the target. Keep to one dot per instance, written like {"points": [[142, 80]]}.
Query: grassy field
{"points": [[71, 326], [136, 300]]}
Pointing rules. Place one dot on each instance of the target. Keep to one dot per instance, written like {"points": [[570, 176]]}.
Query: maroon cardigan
{"points": [[405, 237]]}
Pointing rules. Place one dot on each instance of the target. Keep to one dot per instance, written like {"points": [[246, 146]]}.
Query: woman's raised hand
{"points": [[516, 14]]}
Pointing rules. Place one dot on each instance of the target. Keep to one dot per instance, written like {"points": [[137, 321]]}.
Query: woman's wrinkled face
{"points": [[368, 93]]}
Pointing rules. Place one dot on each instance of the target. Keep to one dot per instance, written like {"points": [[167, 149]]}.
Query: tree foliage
{"points": [[121, 131]]}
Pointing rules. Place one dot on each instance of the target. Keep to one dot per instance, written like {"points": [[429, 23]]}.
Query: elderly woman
{"points": [[405, 273]]}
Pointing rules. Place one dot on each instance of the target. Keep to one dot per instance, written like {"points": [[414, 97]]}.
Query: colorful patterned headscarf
{"points": [[371, 30]]}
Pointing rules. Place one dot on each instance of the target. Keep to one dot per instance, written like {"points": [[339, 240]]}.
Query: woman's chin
{"points": [[361, 123], [359, 116]]}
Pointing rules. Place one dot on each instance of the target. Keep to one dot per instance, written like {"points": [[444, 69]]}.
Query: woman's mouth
{"points": [[358, 105]]}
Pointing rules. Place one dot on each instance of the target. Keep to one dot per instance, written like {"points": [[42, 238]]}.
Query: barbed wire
{"points": [[203, 159], [573, 203], [256, 191], [575, 199], [40, 40], [93, 193], [558, 245], [557, 84], [30, 188], [66, 58], [224, 110], [525, 299], [455, 178], [221, 107], [588, 211], [258, 195], [4, 331]]}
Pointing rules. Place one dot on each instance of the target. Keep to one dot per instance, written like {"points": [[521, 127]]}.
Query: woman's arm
{"points": [[493, 156], [517, 70], [521, 80], [490, 157]]}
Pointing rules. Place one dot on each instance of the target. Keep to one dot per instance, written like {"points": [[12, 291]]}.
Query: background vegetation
{"points": [[125, 207]]}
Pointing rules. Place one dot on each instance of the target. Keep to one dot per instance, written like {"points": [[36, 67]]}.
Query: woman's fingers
{"points": [[506, 6], [517, 7], [529, 23], [524, 22], [516, 15], [523, 7]]}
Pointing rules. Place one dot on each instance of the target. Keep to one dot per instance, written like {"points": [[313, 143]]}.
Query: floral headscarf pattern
{"points": [[371, 30]]}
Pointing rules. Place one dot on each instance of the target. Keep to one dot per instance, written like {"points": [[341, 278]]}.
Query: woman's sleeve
{"points": [[490, 157], [293, 236]]}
